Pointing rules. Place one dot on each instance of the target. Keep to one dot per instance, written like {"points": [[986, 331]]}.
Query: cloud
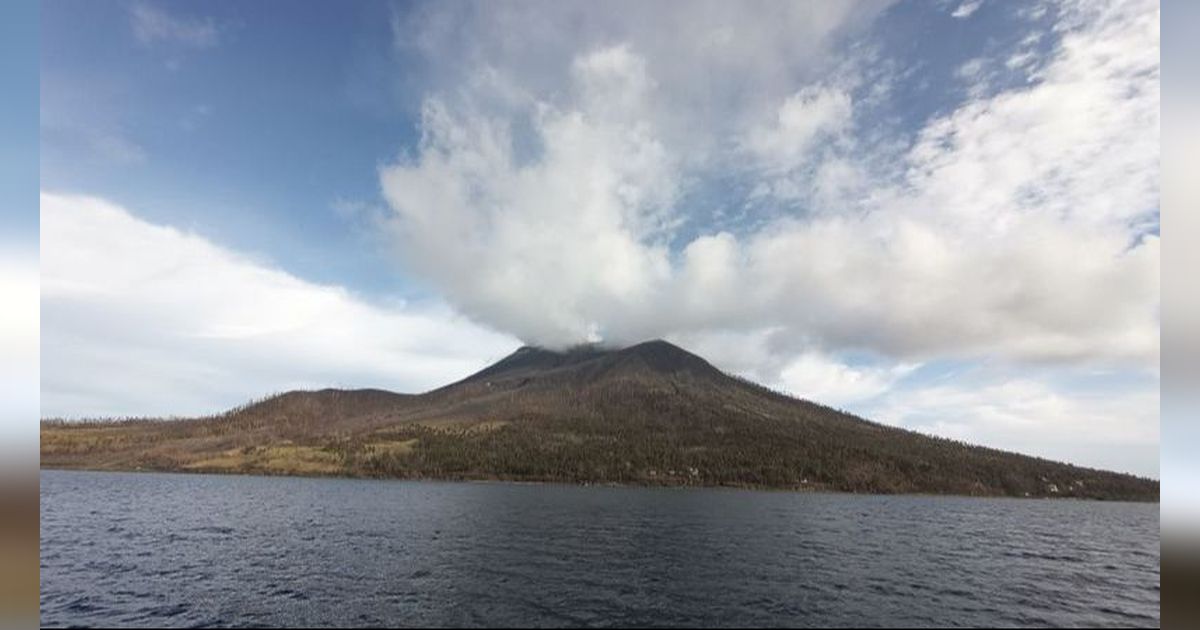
{"points": [[1114, 428], [809, 115], [1019, 224], [143, 319], [769, 357], [152, 24], [966, 9], [526, 246], [816, 376], [717, 66]]}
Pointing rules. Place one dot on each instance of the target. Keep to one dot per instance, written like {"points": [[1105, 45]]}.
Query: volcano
{"points": [[648, 414]]}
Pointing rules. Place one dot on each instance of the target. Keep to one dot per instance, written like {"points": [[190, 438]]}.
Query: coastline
{"points": [[481, 479]]}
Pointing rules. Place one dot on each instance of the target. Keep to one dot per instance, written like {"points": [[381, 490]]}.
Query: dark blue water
{"points": [[180, 550]]}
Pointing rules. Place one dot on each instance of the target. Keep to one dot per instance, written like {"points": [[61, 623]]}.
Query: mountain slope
{"points": [[648, 414]]}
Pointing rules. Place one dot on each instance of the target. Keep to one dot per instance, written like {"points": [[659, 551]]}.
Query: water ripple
{"points": [[195, 550]]}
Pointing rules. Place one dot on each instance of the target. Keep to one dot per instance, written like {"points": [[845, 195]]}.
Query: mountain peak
{"points": [[588, 361], [664, 356]]}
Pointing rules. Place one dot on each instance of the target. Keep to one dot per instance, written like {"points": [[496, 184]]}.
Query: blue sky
{"points": [[921, 212], [250, 139], [255, 137]]}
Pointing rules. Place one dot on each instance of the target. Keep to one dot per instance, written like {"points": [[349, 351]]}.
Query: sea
{"points": [[182, 550]]}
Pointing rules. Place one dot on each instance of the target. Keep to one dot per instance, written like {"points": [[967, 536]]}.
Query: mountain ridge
{"points": [[650, 414]]}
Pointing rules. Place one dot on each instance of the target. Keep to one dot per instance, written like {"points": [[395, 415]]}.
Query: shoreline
{"points": [[606, 484]]}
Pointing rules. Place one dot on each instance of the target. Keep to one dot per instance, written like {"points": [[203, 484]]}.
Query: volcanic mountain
{"points": [[649, 414]]}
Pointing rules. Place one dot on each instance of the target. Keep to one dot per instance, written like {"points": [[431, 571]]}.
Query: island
{"points": [[648, 414]]}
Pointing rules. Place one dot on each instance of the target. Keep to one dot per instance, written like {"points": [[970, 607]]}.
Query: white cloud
{"points": [[1110, 429], [153, 24], [966, 9], [143, 319], [809, 115], [818, 377], [1021, 60], [973, 73], [719, 66], [773, 359], [529, 247], [1014, 225]]}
